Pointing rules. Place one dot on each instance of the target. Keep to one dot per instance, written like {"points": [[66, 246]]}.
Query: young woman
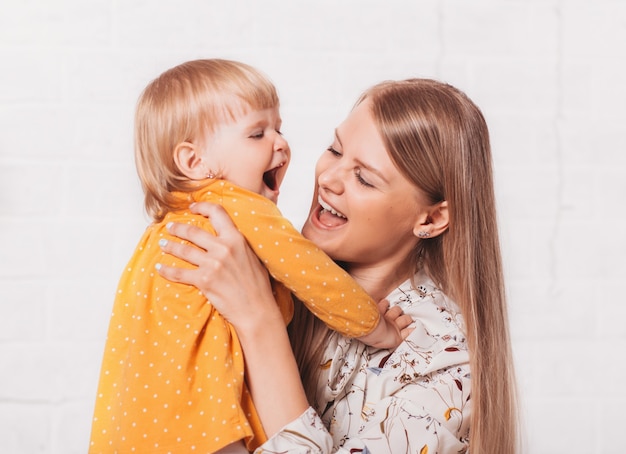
{"points": [[404, 201]]}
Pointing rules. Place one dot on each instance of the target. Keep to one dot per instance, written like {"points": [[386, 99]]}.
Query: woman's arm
{"points": [[239, 289]]}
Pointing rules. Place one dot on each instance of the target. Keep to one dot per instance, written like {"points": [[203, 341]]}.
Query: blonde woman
{"points": [[404, 201]]}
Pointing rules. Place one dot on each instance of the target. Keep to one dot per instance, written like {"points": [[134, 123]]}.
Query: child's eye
{"points": [[280, 133], [258, 135], [334, 151], [357, 173]]}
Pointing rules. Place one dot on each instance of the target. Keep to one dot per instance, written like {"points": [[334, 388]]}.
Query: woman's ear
{"points": [[189, 161], [435, 222]]}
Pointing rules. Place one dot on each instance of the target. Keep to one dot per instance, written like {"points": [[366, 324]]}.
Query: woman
{"points": [[404, 201]]}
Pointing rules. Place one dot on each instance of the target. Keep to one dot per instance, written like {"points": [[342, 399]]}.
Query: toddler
{"points": [[172, 376]]}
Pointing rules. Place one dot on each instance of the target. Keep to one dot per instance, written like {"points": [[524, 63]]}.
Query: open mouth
{"points": [[269, 177], [328, 216], [326, 207]]}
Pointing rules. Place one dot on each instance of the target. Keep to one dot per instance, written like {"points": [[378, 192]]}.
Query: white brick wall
{"points": [[549, 75]]}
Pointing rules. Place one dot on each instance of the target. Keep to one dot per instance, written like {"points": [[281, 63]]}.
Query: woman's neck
{"points": [[379, 279]]}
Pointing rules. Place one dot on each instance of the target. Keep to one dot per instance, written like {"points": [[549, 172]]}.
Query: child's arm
{"points": [[329, 292]]}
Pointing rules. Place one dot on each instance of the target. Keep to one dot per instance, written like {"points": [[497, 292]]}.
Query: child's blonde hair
{"points": [[181, 105]]}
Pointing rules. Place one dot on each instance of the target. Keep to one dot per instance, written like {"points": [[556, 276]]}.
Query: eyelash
{"points": [[357, 173], [333, 151], [261, 134]]}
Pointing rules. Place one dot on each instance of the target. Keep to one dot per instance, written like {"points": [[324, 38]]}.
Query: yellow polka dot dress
{"points": [[172, 376]]}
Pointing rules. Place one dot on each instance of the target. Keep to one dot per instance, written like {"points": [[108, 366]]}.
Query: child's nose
{"points": [[280, 143]]}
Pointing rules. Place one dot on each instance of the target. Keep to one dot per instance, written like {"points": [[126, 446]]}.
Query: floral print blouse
{"points": [[415, 399]]}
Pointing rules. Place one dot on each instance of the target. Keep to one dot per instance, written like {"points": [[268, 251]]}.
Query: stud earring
{"points": [[423, 234], [210, 175]]}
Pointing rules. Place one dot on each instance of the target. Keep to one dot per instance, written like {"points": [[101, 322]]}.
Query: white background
{"points": [[550, 76]]}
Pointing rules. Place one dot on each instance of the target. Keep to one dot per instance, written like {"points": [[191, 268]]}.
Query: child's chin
{"points": [[270, 194]]}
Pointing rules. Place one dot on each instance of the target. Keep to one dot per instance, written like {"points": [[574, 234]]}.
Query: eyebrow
{"points": [[263, 122], [363, 164], [256, 124]]}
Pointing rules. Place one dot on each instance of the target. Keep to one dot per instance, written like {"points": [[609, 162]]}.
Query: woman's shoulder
{"points": [[427, 304], [438, 340]]}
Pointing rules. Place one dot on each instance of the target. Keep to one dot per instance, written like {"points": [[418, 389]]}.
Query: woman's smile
{"points": [[328, 216], [364, 210]]}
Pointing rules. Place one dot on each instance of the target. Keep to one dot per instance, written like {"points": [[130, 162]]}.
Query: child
{"points": [[172, 376]]}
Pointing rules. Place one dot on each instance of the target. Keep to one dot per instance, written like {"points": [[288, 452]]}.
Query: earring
{"points": [[423, 234], [210, 175]]}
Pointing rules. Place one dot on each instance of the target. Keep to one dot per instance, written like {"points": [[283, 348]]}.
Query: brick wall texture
{"points": [[548, 74]]}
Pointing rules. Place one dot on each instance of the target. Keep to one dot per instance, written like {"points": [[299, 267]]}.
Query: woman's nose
{"points": [[329, 178]]}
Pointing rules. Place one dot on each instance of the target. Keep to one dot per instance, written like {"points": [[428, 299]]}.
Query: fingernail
{"points": [[169, 225], [158, 266], [162, 242]]}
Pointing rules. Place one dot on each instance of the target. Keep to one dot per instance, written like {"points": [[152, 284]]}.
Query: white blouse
{"points": [[415, 399]]}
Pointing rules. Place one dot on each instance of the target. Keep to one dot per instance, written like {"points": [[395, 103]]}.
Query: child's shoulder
{"points": [[235, 199], [184, 217]]}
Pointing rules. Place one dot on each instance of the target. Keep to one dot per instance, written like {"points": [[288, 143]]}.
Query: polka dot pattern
{"points": [[172, 373], [325, 288]]}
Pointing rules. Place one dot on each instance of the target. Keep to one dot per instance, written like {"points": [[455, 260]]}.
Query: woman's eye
{"points": [[357, 173], [333, 151]]}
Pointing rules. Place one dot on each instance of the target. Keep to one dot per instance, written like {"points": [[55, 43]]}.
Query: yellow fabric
{"points": [[172, 377]]}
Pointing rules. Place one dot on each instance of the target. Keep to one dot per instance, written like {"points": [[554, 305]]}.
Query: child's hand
{"points": [[392, 328], [397, 317]]}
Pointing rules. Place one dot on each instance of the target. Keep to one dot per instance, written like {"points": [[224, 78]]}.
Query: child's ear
{"points": [[434, 223], [188, 159]]}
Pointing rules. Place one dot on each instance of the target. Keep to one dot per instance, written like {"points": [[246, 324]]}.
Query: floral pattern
{"points": [[415, 399]]}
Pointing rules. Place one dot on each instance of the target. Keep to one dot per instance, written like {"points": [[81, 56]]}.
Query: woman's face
{"points": [[364, 210]]}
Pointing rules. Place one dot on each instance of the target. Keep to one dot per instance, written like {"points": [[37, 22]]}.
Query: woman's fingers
{"points": [[203, 240], [220, 220], [229, 243], [192, 234], [224, 263], [175, 274], [185, 252]]}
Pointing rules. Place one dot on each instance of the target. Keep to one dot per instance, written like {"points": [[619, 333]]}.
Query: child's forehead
{"points": [[235, 109], [241, 114], [237, 106]]}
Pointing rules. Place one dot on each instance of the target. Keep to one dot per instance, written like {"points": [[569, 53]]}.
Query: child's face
{"points": [[250, 152]]}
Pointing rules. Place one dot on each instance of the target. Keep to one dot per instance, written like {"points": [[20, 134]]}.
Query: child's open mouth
{"points": [[269, 177]]}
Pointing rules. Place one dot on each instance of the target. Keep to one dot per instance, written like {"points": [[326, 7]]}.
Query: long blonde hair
{"points": [[438, 138], [181, 105]]}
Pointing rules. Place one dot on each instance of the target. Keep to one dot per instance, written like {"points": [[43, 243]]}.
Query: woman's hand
{"points": [[228, 273], [232, 278]]}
